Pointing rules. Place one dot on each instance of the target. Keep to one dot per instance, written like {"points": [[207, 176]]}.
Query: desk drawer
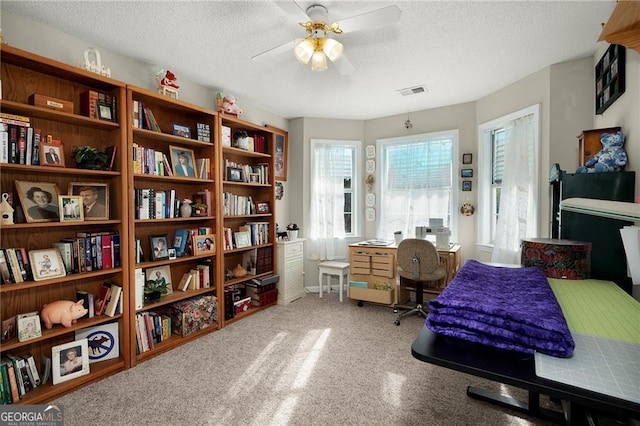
{"points": [[360, 264], [383, 266], [384, 297], [291, 250]]}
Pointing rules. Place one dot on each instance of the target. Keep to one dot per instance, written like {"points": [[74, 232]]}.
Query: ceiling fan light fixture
{"points": [[304, 51], [318, 61], [332, 48]]}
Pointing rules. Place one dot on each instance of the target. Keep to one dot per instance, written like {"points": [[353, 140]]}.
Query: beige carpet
{"points": [[312, 362]]}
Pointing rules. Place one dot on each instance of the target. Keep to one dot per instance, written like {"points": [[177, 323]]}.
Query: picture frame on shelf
{"points": [[243, 239], [39, 200], [204, 244], [9, 328], [467, 158], [159, 247], [180, 241], [280, 158], [29, 327], [70, 360], [262, 207], [172, 253], [234, 174], [466, 185], [158, 279], [71, 208], [95, 199], [103, 111], [51, 154], [46, 264], [466, 173], [181, 130], [254, 177], [182, 161]]}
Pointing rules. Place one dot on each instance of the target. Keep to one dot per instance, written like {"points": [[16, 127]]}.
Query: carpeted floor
{"points": [[312, 362]]}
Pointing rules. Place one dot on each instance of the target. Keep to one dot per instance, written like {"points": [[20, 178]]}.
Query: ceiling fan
{"points": [[317, 46]]}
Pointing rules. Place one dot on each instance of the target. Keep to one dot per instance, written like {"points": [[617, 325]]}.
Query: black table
{"points": [[518, 369]]}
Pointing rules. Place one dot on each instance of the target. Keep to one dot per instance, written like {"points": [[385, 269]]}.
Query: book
{"points": [[114, 298], [111, 152], [45, 369], [183, 285], [66, 251], [18, 375], [32, 370], [5, 388], [13, 384], [4, 268], [84, 296], [101, 299]]}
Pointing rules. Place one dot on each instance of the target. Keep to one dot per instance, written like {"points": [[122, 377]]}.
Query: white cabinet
{"points": [[290, 255]]}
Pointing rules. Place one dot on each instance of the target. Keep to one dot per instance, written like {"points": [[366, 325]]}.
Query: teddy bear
{"points": [[611, 158], [229, 105]]}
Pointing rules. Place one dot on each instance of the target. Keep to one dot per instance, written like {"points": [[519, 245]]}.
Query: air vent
{"points": [[412, 90]]}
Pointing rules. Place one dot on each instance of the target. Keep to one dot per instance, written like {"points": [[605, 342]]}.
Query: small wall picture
{"points": [[159, 247], [39, 201], [104, 111], [262, 207], [180, 130], [71, 208], [70, 360], [204, 244], [182, 161], [46, 264], [467, 158], [466, 173], [51, 155], [466, 185], [158, 279], [95, 199]]}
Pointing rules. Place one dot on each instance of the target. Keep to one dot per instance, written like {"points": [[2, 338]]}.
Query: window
{"points": [[417, 182], [333, 194], [497, 191]]}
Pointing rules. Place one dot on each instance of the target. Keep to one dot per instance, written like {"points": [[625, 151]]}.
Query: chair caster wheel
{"points": [[360, 304], [395, 311], [397, 322]]}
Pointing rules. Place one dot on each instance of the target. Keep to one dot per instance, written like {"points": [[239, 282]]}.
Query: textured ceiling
{"points": [[460, 50]]}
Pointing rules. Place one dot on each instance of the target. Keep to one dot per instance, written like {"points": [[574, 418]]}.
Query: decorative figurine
{"points": [[6, 211], [167, 83], [230, 107]]}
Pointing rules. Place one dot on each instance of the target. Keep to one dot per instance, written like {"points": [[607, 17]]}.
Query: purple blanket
{"points": [[509, 308]]}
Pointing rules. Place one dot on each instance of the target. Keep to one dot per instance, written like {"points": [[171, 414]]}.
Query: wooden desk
{"points": [[376, 266]]}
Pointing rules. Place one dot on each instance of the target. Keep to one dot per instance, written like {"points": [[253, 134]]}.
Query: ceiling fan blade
{"points": [[371, 20], [275, 51], [293, 9], [343, 65]]}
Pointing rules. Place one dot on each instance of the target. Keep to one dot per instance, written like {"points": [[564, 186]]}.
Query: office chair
{"points": [[418, 261]]}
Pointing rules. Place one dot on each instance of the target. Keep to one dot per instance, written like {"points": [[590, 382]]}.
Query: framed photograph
{"points": [[180, 130], [467, 158], [243, 239], [71, 208], [262, 207], [51, 154], [39, 200], [466, 185], [180, 241], [254, 177], [158, 279], [280, 159], [29, 327], [204, 244], [159, 247], [95, 199], [9, 328], [182, 161], [234, 174], [466, 173], [46, 264], [172, 253], [103, 110], [70, 360]]}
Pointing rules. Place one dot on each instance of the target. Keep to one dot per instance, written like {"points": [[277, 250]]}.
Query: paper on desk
{"points": [[631, 241]]}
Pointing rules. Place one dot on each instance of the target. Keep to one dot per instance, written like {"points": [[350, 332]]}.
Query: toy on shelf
{"points": [[167, 85], [63, 312], [229, 106]]}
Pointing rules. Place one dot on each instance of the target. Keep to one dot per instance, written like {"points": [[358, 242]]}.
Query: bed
{"points": [[592, 308]]}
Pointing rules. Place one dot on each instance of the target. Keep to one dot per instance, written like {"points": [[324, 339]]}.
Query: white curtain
{"points": [[517, 218], [326, 231]]}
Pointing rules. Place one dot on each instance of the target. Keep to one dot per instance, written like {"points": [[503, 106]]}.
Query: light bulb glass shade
{"points": [[304, 51], [319, 61], [332, 49]]}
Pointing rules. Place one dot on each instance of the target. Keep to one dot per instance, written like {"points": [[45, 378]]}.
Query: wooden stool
{"points": [[341, 269]]}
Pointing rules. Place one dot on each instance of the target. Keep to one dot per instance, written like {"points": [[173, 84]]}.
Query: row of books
{"points": [[258, 260], [250, 173], [152, 204], [19, 142], [107, 302], [148, 161], [143, 117], [258, 232], [237, 205], [151, 329], [90, 99], [199, 277], [90, 251], [20, 375], [14, 265]]}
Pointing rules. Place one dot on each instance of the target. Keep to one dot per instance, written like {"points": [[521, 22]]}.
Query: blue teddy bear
{"points": [[611, 158]]}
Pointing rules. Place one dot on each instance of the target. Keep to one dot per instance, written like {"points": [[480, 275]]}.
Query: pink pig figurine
{"points": [[63, 312]]}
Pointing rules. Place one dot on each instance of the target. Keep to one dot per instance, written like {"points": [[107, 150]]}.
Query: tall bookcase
{"points": [[150, 178], [247, 205], [24, 74]]}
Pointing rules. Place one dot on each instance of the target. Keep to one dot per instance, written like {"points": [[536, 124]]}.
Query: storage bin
{"points": [[191, 315], [558, 258]]}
